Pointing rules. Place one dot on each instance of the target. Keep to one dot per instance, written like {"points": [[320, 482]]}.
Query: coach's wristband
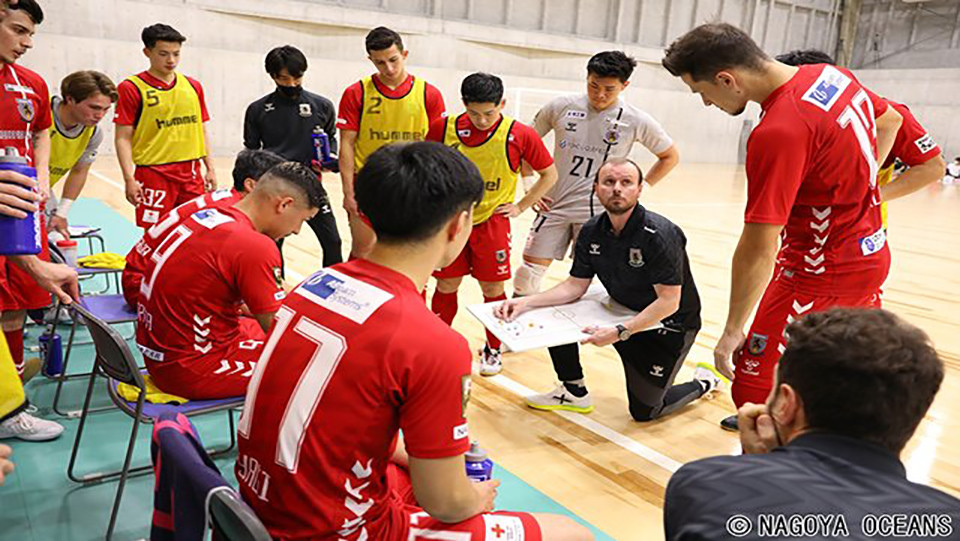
{"points": [[63, 207]]}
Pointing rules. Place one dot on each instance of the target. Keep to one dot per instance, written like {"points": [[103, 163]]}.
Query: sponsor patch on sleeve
{"points": [[827, 89], [460, 432], [925, 144]]}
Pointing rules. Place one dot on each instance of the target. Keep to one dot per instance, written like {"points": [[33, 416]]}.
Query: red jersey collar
{"points": [[157, 83], [782, 88], [398, 92], [376, 269]]}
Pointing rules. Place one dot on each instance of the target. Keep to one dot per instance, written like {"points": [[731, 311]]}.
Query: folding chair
{"points": [[232, 520], [115, 360]]}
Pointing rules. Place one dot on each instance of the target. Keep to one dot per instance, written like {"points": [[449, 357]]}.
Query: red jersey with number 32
{"points": [[812, 167], [138, 258], [354, 355], [195, 281]]}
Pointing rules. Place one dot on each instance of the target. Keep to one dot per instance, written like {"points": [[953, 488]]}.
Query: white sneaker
{"points": [[27, 427], [560, 399], [490, 361], [708, 375]]}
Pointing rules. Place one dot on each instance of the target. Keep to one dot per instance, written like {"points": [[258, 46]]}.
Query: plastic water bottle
{"points": [[51, 351], [69, 250], [479, 467], [19, 236], [321, 147]]}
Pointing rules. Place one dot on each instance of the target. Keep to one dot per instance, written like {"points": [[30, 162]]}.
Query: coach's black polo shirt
{"points": [[650, 250], [285, 126], [818, 477]]}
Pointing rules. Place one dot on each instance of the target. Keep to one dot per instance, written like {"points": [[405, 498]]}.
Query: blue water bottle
{"points": [[479, 467], [51, 351], [19, 236], [321, 147]]}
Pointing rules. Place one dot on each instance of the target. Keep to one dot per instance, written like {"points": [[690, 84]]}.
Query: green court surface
{"points": [[39, 503]]}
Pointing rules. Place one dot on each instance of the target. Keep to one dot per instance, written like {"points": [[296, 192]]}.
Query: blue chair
{"points": [[115, 361]]}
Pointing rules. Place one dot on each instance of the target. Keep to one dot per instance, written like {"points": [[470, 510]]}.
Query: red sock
{"points": [[445, 306], [492, 341], [15, 343]]}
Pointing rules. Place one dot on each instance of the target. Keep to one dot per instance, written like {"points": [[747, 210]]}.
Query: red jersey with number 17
{"points": [[812, 167], [354, 356]]}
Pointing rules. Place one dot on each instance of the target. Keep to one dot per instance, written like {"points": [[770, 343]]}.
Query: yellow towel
{"points": [[154, 394], [103, 260]]}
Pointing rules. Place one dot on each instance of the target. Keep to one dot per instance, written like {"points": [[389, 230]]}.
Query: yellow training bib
{"points": [[170, 129], [385, 120], [884, 177], [65, 151], [491, 158]]}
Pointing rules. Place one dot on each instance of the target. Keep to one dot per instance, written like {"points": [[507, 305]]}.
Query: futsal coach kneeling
{"points": [[641, 259], [217, 262], [822, 456]]}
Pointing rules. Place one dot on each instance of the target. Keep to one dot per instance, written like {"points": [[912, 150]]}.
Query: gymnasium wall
{"points": [[227, 40]]}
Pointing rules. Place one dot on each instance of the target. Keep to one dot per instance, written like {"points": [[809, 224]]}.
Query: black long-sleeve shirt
{"points": [[279, 124]]}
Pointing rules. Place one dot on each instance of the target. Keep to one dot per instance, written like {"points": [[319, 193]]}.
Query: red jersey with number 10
{"points": [[812, 167]]}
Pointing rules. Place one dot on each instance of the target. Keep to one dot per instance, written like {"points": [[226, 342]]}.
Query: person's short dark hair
{"points": [[160, 32], [382, 38], [620, 161], [802, 57], [31, 8], [481, 88], [252, 164], [299, 177], [286, 56], [612, 64], [711, 48], [862, 373], [409, 191]]}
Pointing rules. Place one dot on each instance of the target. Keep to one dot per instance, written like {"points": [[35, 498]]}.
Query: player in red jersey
{"points": [[354, 356], [249, 166], [496, 145], [25, 126], [161, 132], [913, 145], [189, 327], [387, 107], [811, 182]]}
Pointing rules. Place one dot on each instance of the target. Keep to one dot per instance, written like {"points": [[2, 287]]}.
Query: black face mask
{"points": [[292, 92]]}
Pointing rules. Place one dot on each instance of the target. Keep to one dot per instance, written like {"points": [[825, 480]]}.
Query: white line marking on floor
{"points": [[107, 179], [583, 421]]}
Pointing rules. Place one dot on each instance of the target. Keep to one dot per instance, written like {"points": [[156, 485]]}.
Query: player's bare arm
{"points": [[752, 265], [72, 186], [55, 278], [666, 161], [666, 303], [914, 179], [210, 179], [443, 490], [548, 177], [888, 124], [565, 292], [123, 141], [41, 161], [17, 195], [347, 139]]}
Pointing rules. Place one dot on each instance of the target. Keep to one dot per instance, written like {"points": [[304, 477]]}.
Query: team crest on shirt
{"points": [[278, 276], [501, 256], [925, 144], [464, 133], [466, 384], [26, 110], [305, 110], [757, 345], [636, 258]]}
